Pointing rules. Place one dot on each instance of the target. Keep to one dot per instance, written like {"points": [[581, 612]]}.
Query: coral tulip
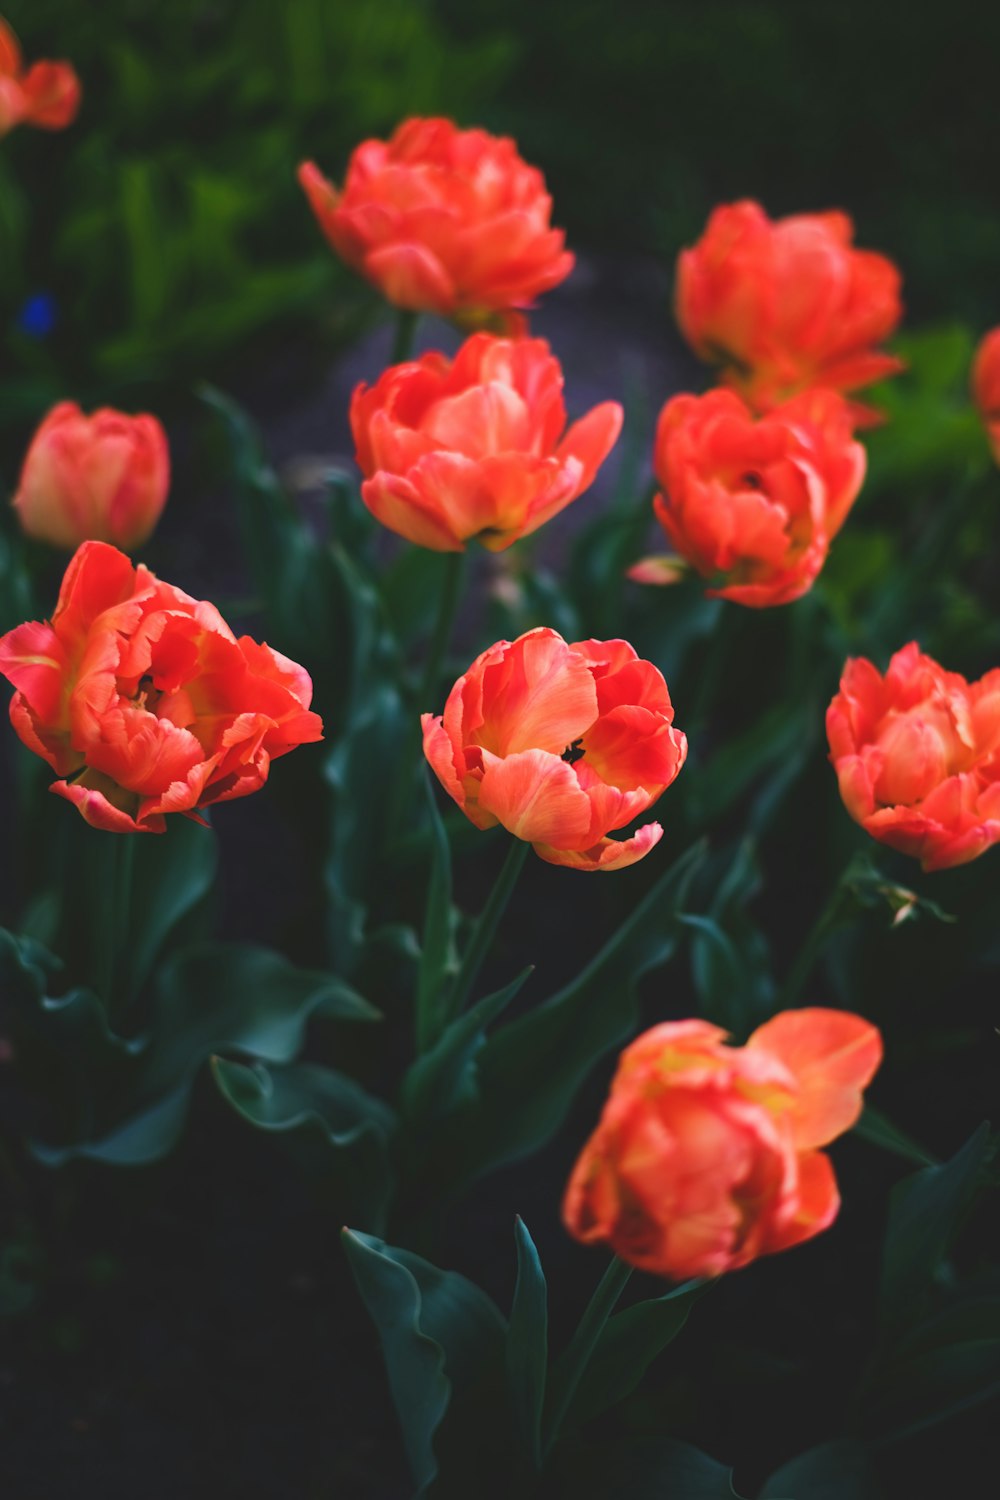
{"points": [[787, 304], [986, 387], [143, 701], [102, 478], [706, 1155], [47, 94], [917, 756], [474, 448], [753, 505], [561, 744], [443, 220]]}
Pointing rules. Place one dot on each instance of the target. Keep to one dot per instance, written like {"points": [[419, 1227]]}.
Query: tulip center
{"points": [[574, 752], [147, 696], [751, 480]]}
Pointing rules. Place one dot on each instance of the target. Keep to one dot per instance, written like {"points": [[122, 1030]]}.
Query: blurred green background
{"points": [[164, 231]]}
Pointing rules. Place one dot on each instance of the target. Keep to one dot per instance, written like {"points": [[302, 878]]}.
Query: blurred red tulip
{"points": [[443, 220]]}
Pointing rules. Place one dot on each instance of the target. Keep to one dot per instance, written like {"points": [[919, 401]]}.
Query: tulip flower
{"points": [[707, 1155], [786, 304], [474, 448], [47, 94], [917, 756], [443, 220], [560, 744], [752, 505], [102, 478], [143, 701], [986, 387]]}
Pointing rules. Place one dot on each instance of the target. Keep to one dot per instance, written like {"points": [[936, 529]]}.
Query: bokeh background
{"points": [[148, 244]]}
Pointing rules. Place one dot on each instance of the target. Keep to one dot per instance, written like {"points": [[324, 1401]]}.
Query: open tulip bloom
{"points": [[751, 504], [786, 304], [475, 448], [917, 756], [706, 1155], [443, 220], [561, 744], [143, 701], [46, 95]]}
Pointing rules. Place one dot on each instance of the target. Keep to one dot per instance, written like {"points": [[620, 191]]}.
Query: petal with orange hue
{"points": [[833, 1056], [536, 797], [592, 438], [411, 276], [818, 1203], [609, 854]]}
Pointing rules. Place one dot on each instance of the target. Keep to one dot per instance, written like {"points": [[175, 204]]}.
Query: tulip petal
{"points": [[816, 1207], [609, 854], [833, 1055], [536, 797], [412, 277]]}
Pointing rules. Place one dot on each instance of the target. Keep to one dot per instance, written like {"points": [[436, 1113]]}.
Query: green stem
{"points": [[486, 926], [826, 923], [437, 646], [406, 332], [120, 992], [584, 1342]]}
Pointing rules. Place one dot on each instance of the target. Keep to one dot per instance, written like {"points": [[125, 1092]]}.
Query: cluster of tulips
{"points": [[147, 706]]}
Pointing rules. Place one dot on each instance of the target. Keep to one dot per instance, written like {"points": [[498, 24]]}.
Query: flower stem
{"points": [[486, 926], [119, 993], [437, 646], [406, 332], [826, 923], [583, 1343]]}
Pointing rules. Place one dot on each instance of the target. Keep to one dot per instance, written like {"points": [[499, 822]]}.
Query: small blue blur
{"points": [[37, 316]]}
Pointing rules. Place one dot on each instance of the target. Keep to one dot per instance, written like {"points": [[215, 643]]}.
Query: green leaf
{"points": [[170, 876], [879, 1131], [81, 1090], [541, 1059], [833, 1471], [642, 1468], [325, 1110], [947, 1365], [527, 1343], [629, 1343], [446, 1077], [437, 957], [924, 1212], [441, 1337]]}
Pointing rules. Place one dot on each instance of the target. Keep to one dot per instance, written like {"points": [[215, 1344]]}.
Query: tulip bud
{"points": [[986, 387], [102, 478]]}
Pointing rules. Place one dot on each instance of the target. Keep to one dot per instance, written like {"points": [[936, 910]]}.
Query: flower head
{"points": [[101, 478], [143, 701], [706, 1155], [47, 94], [753, 504], [917, 756], [786, 304], [474, 448], [986, 387], [561, 744], [443, 220]]}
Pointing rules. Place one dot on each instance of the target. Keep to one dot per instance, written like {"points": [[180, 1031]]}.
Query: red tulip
{"points": [[786, 304], [102, 478], [706, 1155], [561, 744], [753, 505], [917, 756], [443, 220], [144, 702], [47, 94], [475, 448], [986, 387]]}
